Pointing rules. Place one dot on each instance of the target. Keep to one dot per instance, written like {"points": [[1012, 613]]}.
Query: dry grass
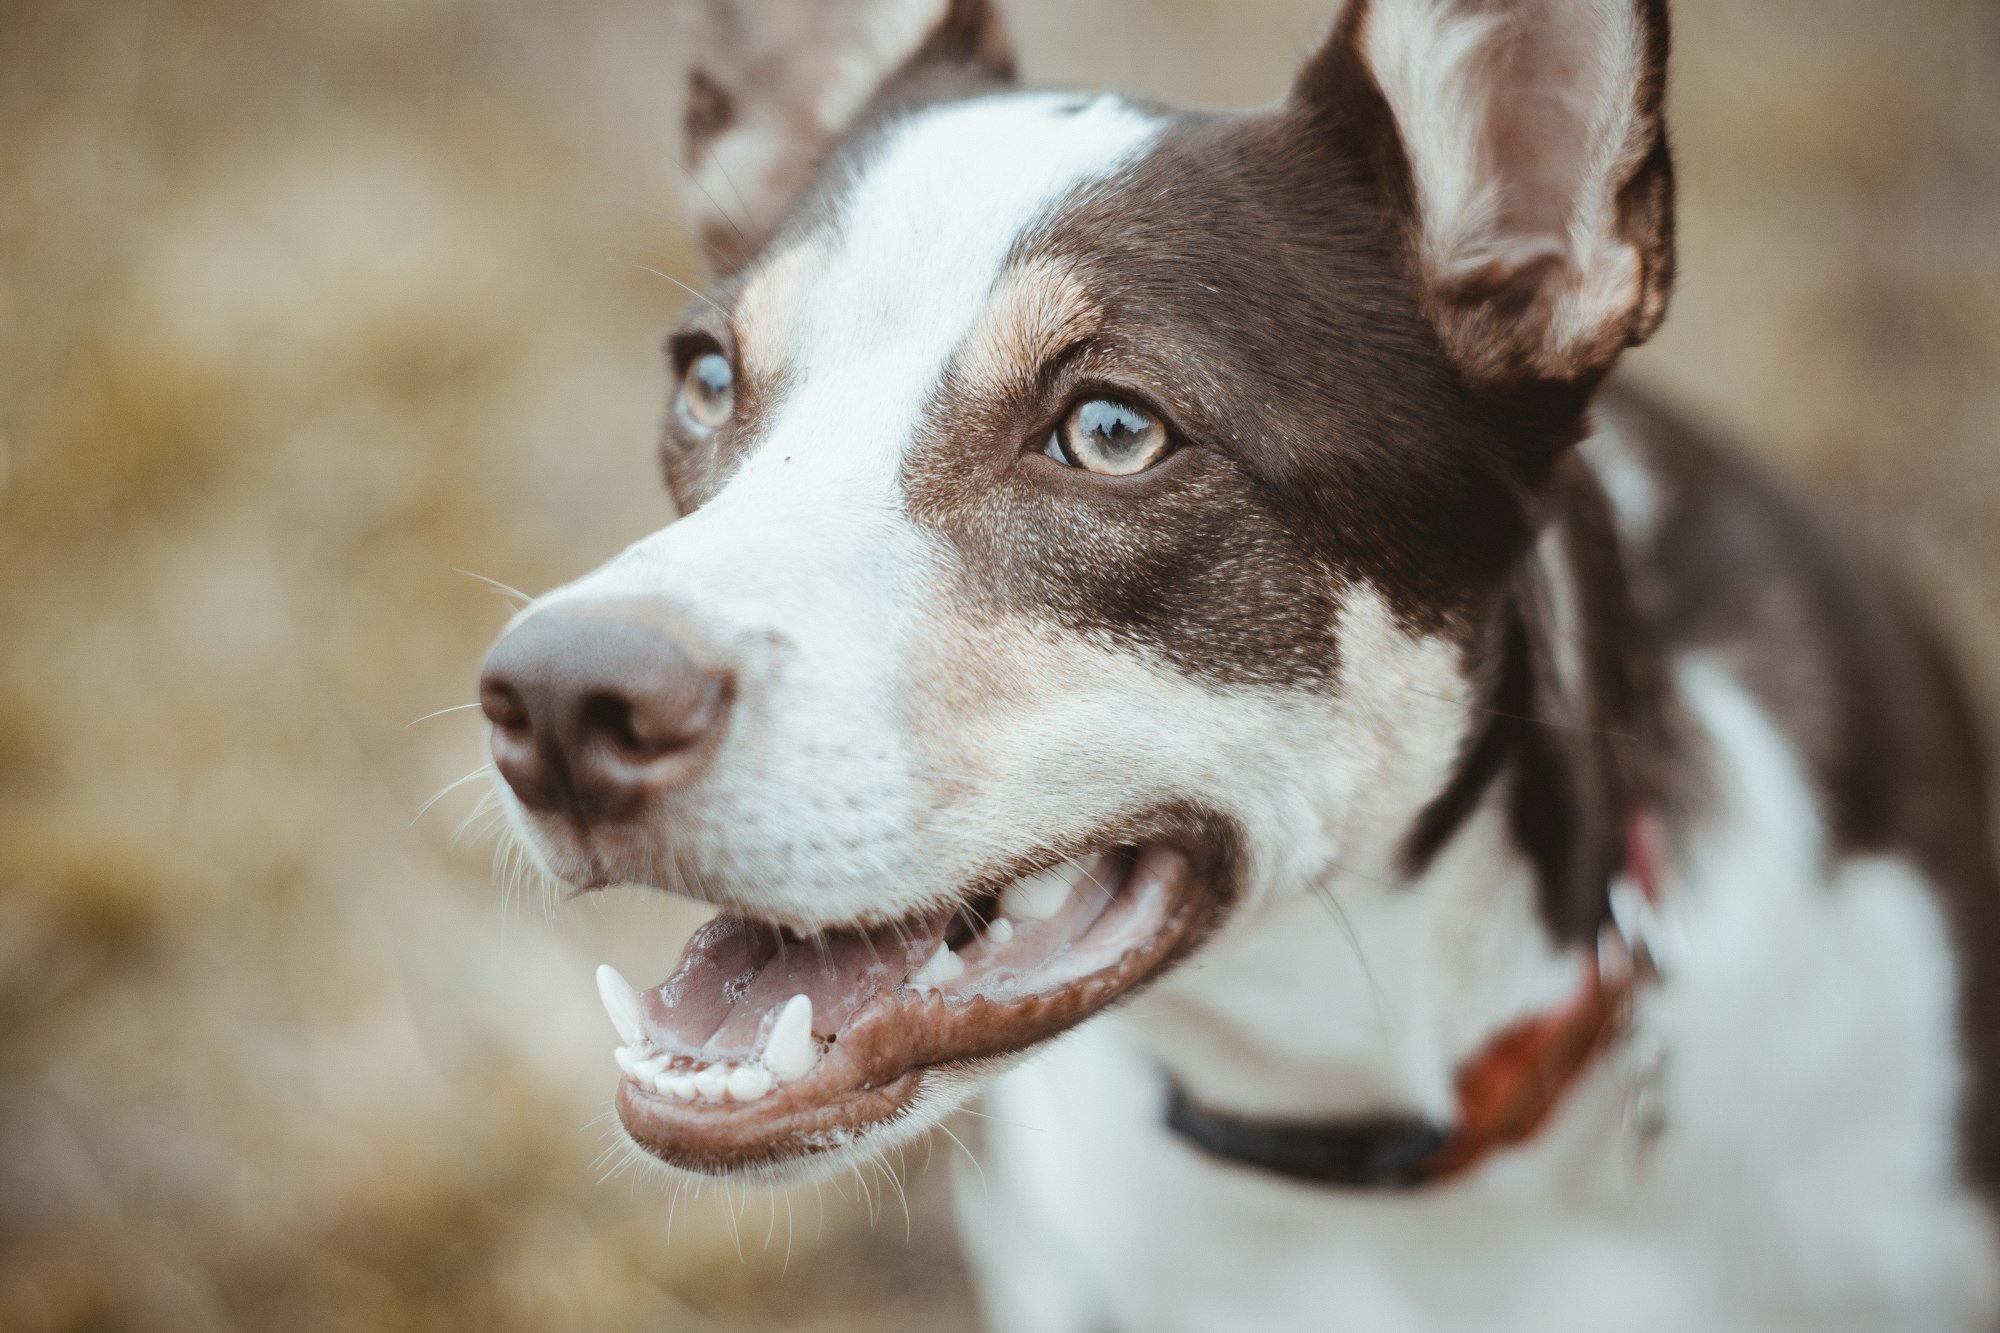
{"points": [[306, 307]]}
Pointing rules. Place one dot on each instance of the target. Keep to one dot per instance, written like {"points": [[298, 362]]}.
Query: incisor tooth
{"points": [[712, 1081], [749, 1083], [622, 1003], [678, 1086], [1000, 930], [1039, 897], [789, 1052], [629, 1061], [942, 966]]}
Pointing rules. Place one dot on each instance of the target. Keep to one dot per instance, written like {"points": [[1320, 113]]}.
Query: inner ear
{"points": [[1522, 152], [774, 83]]}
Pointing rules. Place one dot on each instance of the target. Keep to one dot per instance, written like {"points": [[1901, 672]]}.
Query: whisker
{"points": [[1615, 733], [488, 809], [984, 1189], [741, 203], [449, 788], [455, 708], [695, 181], [699, 296], [511, 591], [1324, 893], [896, 1180], [791, 1230], [729, 1212]]}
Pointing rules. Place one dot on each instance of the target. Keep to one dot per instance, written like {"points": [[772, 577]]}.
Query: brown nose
{"points": [[598, 707]]}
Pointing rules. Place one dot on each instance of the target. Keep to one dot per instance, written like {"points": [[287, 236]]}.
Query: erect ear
{"points": [[1522, 154], [774, 82]]}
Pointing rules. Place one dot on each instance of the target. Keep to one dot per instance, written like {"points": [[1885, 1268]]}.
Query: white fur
{"points": [[1426, 57], [1334, 988], [1638, 496], [1801, 1181], [807, 567]]}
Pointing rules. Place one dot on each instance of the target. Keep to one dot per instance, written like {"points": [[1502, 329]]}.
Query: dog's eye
{"points": [[1106, 436], [708, 391]]}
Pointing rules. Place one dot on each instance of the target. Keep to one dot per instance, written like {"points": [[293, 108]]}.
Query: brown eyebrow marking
{"points": [[767, 310], [1037, 312]]}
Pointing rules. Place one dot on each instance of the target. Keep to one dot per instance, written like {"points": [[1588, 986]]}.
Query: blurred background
{"points": [[311, 311]]}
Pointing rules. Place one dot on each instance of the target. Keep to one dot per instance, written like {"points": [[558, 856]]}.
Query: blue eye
{"points": [[708, 391], [1106, 436]]}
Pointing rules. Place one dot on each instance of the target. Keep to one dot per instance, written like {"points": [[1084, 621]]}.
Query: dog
{"points": [[1170, 632]]}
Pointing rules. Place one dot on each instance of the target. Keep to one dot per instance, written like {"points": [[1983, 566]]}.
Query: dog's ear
{"points": [[773, 83], [1521, 152]]}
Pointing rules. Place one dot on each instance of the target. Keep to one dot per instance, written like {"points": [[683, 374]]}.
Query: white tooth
{"points": [[942, 966], [631, 1062], [649, 1069], [678, 1086], [712, 1081], [1000, 930], [1039, 897], [790, 1050], [749, 1083], [622, 1003]]}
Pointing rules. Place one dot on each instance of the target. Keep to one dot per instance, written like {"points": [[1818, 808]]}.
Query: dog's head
{"points": [[1093, 514]]}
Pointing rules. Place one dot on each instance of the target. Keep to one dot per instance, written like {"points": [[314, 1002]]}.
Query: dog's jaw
{"points": [[765, 1052]]}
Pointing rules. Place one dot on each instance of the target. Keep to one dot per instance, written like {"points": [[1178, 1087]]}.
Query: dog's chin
{"points": [[769, 1053]]}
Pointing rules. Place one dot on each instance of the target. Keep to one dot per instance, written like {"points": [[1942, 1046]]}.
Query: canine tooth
{"points": [[622, 1003], [1039, 897], [789, 1051], [712, 1081], [1000, 930], [942, 966], [748, 1083]]}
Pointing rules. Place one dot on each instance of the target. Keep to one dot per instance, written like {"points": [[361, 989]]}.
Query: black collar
{"points": [[1388, 1152], [1505, 1091]]}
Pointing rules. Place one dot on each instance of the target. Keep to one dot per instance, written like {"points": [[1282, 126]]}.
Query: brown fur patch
{"points": [[766, 309], [1039, 310], [1518, 321], [710, 110]]}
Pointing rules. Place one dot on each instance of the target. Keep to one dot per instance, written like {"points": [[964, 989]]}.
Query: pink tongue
{"points": [[734, 974]]}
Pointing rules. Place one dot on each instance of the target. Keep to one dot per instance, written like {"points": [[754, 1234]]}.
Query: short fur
{"points": [[1405, 632]]}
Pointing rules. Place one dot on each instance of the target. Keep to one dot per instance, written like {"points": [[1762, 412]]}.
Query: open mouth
{"points": [[763, 1048]]}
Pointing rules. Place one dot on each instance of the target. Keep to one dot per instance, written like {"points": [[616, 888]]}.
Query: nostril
{"points": [[503, 705], [654, 724], [610, 716]]}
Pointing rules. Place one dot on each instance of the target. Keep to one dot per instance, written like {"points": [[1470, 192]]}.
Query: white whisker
{"points": [[449, 788], [511, 591], [455, 708]]}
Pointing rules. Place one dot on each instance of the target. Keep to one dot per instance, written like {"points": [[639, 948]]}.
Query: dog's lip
{"points": [[872, 1072]]}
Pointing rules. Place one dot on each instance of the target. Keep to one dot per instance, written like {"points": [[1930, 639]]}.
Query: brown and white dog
{"points": [[1134, 548]]}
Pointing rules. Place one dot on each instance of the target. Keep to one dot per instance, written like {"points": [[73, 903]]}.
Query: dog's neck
{"points": [[1364, 991]]}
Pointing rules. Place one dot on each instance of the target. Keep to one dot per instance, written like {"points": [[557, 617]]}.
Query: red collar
{"points": [[1506, 1091]]}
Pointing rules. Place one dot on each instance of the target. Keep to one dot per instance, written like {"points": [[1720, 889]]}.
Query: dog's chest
{"points": [[1801, 1180]]}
